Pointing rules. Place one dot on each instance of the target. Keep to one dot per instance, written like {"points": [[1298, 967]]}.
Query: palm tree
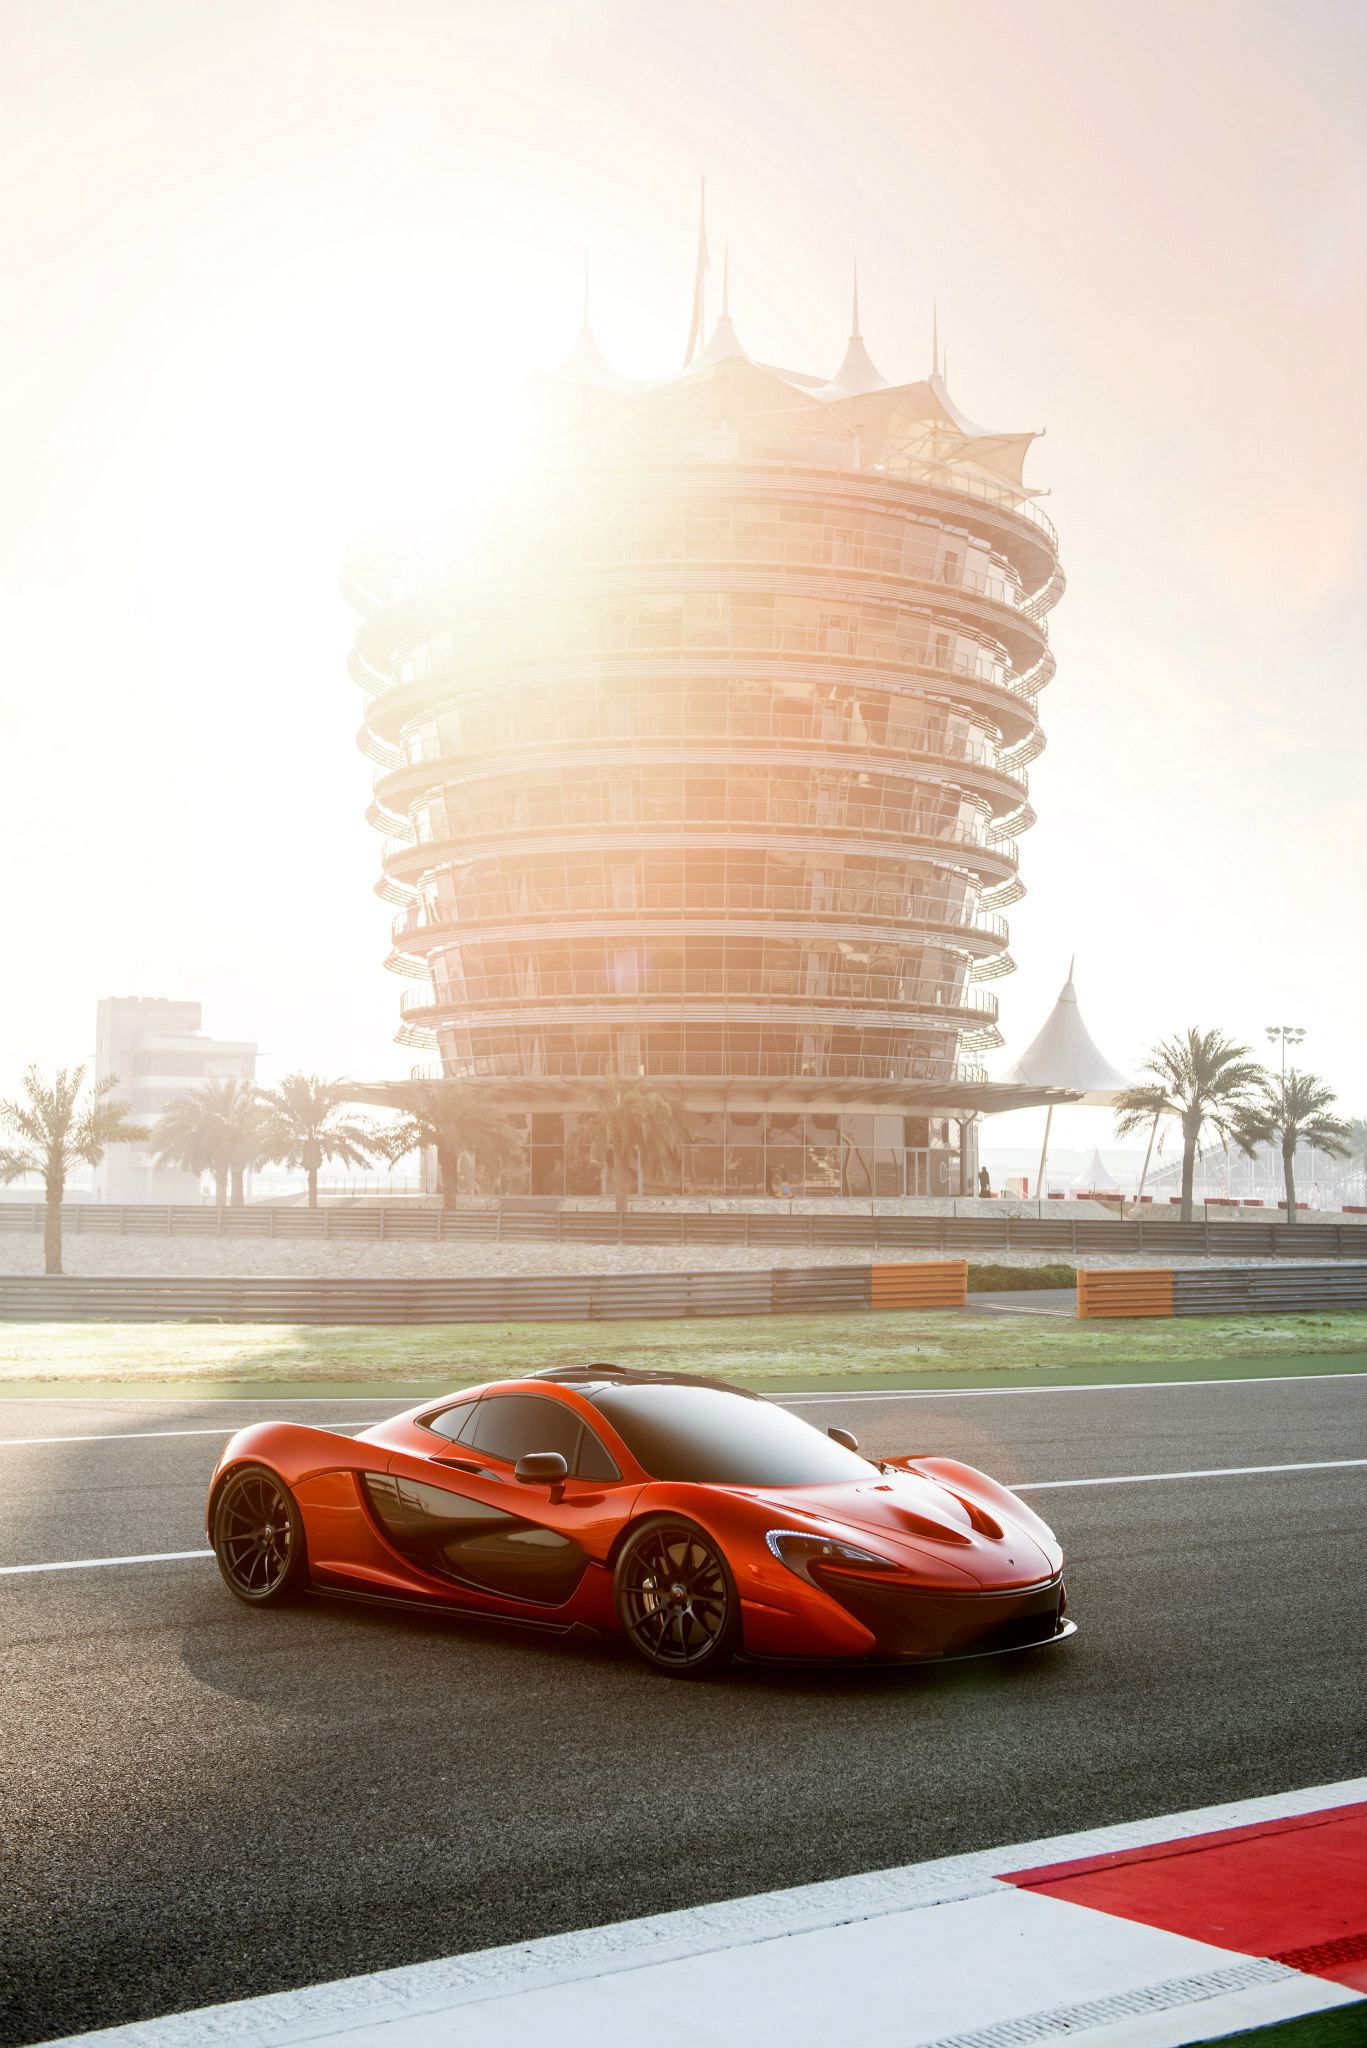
{"points": [[456, 1120], [1202, 1080], [1357, 1148], [55, 1130], [631, 1131], [218, 1128], [303, 1128], [1294, 1109]]}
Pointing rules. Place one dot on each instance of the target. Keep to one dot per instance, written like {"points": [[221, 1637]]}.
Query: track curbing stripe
{"points": [[409, 1993]]}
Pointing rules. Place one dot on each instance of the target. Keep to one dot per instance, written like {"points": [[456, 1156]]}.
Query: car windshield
{"points": [[708, 1436]]}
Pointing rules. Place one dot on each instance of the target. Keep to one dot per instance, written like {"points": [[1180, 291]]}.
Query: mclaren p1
{"points": [[694, 1518]]}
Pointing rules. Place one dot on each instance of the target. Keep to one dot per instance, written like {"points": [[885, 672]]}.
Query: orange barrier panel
{"points": [[1125, 1291], [928, 1283]]}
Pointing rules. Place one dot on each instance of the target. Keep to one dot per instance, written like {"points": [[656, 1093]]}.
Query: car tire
{"points": [[676, 1598], [258, 1537]]}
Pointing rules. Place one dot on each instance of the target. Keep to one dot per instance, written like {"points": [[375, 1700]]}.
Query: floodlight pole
{"points": [[1285, 1034]]}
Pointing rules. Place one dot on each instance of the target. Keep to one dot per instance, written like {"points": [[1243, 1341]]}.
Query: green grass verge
{"points": [[1018, 1279], [892, 1348]]}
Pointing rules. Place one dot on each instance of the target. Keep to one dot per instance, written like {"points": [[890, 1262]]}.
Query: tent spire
{"points": [[857, 374], [584, 363], [696, 328], [934, 337], [726, 279]]}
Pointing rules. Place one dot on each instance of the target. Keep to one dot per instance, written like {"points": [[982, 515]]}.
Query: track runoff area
{"points": [[280, 1828]]}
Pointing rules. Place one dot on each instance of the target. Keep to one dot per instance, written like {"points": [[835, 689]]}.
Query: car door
{"points": [[460, 1513]]}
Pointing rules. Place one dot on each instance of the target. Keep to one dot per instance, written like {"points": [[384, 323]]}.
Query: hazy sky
{"points": [[270, 269]]}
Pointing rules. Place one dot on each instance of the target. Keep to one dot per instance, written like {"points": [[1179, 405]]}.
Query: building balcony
{"points": [[841, 826], [1004, 702], [984, 954], [704, 995], [782, 743], [1013, 523], [642, 778], [713, 1072], [546, 913], [962, 600]]}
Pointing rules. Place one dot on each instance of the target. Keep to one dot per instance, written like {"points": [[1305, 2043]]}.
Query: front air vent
{"points": [[985, 1524], [936, 1532]]}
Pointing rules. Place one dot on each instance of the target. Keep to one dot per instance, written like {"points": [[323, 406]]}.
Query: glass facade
{"points": [[714, 773]]}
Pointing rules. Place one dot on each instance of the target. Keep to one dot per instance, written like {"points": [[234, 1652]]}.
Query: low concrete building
{"points": [[156, 1047]]}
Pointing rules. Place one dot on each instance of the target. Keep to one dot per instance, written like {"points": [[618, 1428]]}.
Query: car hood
{"points": [[916, 1521]]}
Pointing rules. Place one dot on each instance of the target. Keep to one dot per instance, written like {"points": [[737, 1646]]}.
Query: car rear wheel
{"points": [[676, 1599], [258, 1537]]}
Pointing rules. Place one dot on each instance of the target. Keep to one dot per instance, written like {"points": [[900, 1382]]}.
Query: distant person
{"points": [[984, 1183]]}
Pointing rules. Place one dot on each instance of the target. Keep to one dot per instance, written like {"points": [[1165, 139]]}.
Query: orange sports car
{"points": [[693, 1517]]}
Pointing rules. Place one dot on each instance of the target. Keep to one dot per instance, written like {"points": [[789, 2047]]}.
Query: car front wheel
{"points": [[258, 1537], [676, 1599]]}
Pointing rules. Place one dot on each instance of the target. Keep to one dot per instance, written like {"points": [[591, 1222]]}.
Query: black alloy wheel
{"points": [[676, 1599], [258, 1537]]}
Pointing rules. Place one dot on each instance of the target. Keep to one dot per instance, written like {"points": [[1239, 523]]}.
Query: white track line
{"points": [[1032, 1486], [80, 1564], [1210, 1472], [128, 1436], [1261, 1379], [780, 1400]]}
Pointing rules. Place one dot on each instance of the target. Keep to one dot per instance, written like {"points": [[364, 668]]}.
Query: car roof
{"points": [[600, 1375], [586, 1380]]}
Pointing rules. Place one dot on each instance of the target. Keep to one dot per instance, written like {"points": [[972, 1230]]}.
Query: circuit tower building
{"points": [[715, 770]]}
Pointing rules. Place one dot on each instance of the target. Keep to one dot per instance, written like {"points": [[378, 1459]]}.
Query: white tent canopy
{"points": [[1096, 1177], [1065, 1055]]}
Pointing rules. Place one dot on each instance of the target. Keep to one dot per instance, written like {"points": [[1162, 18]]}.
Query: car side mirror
{"points": [[541, 1468], [845, 1437]]}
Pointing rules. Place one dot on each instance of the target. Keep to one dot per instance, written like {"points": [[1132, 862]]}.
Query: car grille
{"points": [[912, 1621]]}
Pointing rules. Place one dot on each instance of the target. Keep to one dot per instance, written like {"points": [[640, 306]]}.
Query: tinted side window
{"points": [[454, 1422], [510, 1425], [595, 1461]]}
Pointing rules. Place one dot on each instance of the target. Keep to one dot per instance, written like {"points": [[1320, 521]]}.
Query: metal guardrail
{"points": [[1220, 1290], [517, 1298], [1213, 1291], [608, 1297], [387, 1222]]}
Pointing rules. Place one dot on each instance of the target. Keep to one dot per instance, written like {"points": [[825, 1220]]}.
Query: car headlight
{"points": [[800, 1550]]}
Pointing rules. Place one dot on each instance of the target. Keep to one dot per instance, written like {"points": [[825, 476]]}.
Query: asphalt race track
{"points": [[203, 1803]]}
